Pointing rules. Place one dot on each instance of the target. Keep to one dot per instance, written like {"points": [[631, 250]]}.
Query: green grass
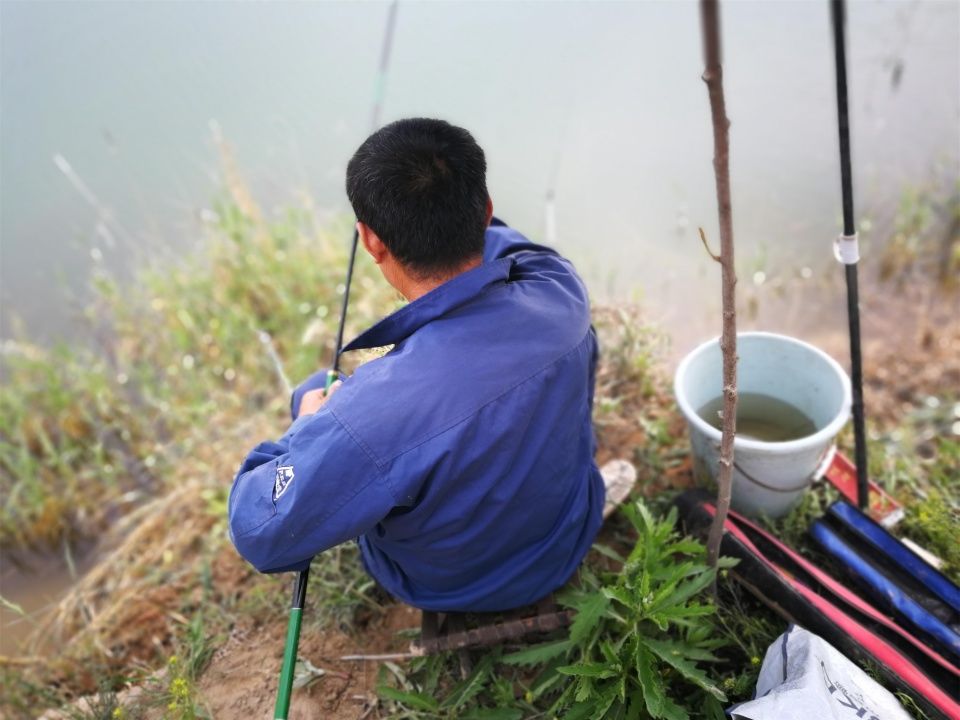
{"points": [[919, 463], [176, 363]]}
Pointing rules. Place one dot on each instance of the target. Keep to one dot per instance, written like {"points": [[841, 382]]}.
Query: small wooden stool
{"points": [[462, 632]]}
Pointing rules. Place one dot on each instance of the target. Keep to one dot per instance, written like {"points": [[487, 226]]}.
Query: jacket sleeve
{"points": [[314, 488]]}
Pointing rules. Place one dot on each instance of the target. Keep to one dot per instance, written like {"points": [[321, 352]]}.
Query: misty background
{"points": [[108, 157]]}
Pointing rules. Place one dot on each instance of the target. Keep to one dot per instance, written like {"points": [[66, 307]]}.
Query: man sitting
{"points": [[462, 459]]}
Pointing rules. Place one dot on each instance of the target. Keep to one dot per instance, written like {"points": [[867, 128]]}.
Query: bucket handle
{"points": [[825, 461]]}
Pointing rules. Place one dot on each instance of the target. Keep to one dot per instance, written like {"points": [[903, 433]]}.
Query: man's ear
{"points": [[489, 209], [372, 243]]}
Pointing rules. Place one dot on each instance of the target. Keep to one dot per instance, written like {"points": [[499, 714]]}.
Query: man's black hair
{"points": [[420, 185]]}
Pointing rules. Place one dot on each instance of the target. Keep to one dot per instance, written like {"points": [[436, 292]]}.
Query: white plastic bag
{"points": [[803, 677]]}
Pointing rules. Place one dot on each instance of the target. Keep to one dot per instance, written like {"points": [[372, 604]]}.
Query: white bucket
{"points": [[768, 477]]}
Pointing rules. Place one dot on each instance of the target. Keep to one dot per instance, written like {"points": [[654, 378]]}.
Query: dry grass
{"points": [[119, 597]]}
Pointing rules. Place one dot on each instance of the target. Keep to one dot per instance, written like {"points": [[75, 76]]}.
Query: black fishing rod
{"points": [[334, 371], [848, 253], [285, 689]]}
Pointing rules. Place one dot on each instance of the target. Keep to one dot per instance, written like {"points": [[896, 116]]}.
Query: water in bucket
{"points": [[761, 417]]}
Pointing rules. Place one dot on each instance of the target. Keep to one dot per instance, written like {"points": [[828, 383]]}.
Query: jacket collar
{"points": [[439, 301]]}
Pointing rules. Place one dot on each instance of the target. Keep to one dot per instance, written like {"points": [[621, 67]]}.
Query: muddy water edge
{"points": [[33, 583]]}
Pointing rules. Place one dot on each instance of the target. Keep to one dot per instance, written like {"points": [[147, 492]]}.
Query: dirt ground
{"points": [[241, 680], [911, 350]]}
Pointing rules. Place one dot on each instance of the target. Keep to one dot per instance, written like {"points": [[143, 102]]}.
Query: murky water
{"points": [[107, 152], [107, 157], [33, 585], [761, 417]]}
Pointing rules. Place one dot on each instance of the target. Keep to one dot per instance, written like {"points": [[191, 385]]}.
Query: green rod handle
{"points": [[331, 379], [285, 689]]}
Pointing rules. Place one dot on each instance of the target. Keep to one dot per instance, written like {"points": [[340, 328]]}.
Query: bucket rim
{"points": [[826, 433]]}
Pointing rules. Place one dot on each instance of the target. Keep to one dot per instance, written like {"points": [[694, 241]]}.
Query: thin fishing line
{"points": [[380, 86]]}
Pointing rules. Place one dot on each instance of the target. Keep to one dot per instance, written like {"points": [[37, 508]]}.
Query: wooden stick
{"points": [[7, 661], [381, 657], [713, 77]]}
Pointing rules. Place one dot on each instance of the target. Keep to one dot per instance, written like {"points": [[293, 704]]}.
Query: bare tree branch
{"points": [[713, 77], [706, 246]]}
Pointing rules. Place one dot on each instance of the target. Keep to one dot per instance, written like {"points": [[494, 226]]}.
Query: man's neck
{"points": [[412, 287]]}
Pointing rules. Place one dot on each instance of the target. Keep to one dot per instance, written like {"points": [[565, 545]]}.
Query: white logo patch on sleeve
{"points": [[282, 481]]}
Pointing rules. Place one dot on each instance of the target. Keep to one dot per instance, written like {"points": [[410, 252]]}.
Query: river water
{"points": [[107, 154], [107, 149]]}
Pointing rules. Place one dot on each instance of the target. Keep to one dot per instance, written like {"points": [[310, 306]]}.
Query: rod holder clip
{"points": [[846, 249]]}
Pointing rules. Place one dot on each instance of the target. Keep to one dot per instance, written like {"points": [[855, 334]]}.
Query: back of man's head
{"points": [[421, 186]]}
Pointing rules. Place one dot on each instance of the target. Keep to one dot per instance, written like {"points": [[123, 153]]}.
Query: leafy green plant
{"points": [[638, 634], [172, 692], [633, 651], [197, 648], [462, 700], [175, 692], [102, 706]]}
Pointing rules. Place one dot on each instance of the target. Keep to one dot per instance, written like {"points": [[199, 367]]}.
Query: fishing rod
{"points": [[285, 688], [550, 198], [847, 251]]}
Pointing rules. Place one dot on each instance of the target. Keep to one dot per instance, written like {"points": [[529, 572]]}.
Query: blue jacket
{"points": [[462, 459]]}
